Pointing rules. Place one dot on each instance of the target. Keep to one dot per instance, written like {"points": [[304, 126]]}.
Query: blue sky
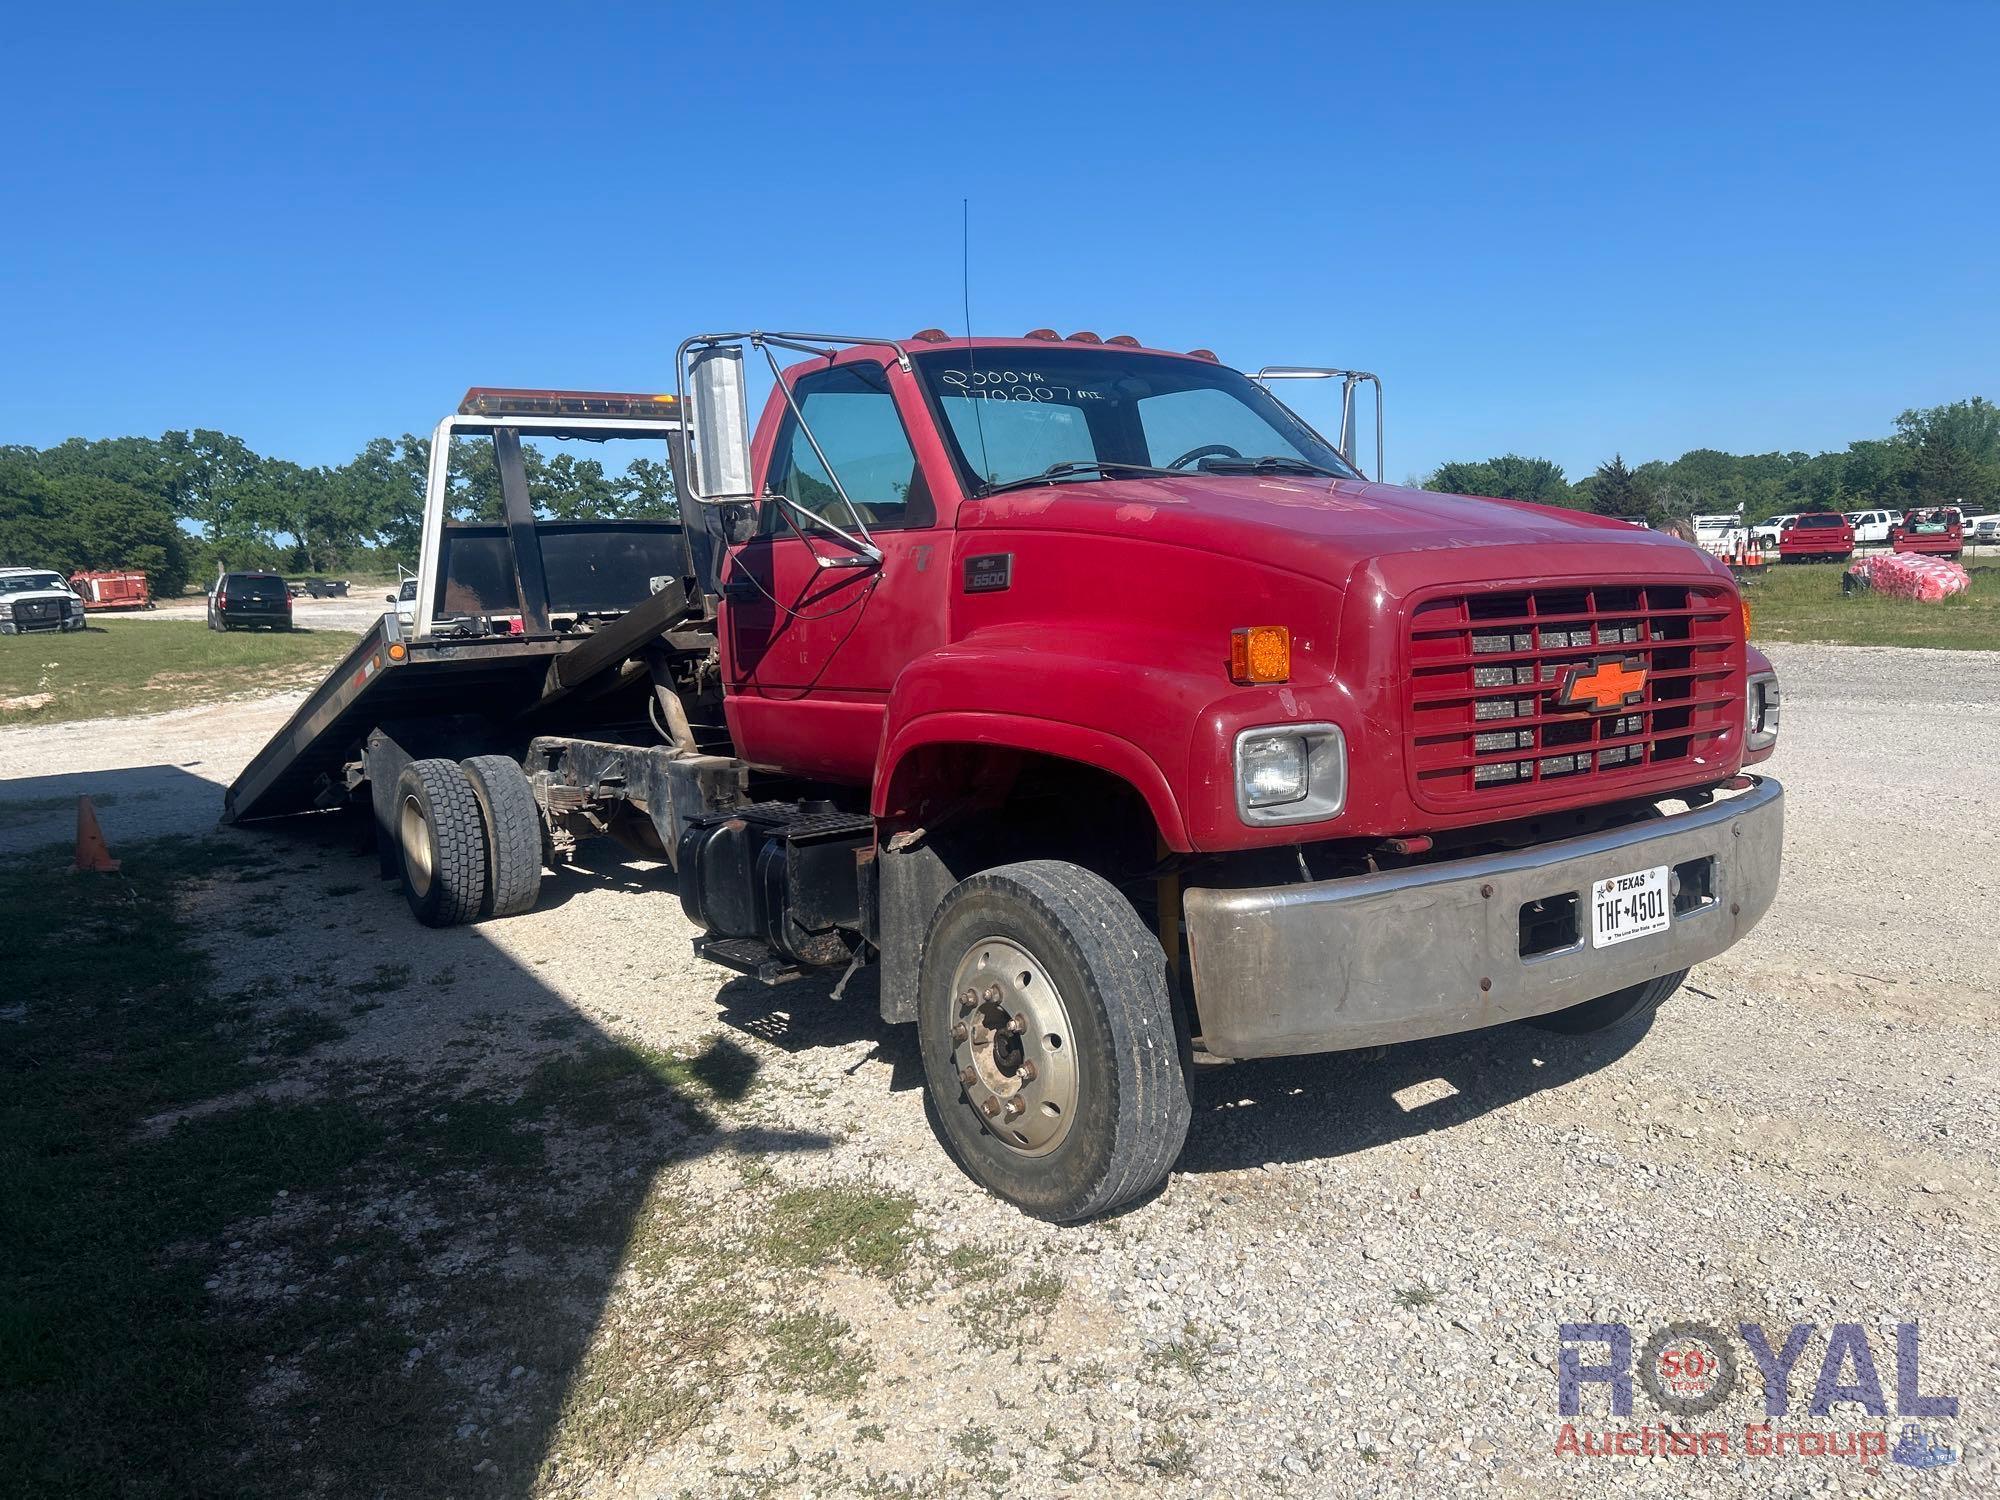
{"points": [[1552, 230]]}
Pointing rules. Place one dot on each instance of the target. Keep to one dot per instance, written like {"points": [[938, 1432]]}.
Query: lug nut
{"points": [[1029, 1072], [1017, 1023], [959, 1032], [989, 1106], [1015, 1109], [968, 1076], [992, 993], [969, 999]]}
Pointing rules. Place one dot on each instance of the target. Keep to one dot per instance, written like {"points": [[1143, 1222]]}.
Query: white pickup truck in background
{"points": [[1871, 527]]}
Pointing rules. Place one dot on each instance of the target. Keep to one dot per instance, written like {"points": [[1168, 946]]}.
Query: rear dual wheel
{"points": [[441, 843], [1051, 1052], [468, 838]]}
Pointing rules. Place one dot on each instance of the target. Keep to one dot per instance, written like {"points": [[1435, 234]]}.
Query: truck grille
{"points": [[1487, 671]]}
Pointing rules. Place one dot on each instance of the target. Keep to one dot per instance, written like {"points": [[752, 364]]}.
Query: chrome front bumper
{"points": [[1438, 949]]}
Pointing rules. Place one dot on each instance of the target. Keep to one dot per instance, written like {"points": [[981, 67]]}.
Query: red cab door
{"points": [[813, 634]]}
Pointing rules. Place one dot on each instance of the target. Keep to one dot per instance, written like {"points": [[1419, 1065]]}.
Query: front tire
{"points": [[1059, 1084], [1615, 1009], [440, 843]]}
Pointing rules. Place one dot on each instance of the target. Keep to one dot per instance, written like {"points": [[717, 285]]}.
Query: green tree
{"points": [[1508, 477], [1615, 490], [1955, 453]]}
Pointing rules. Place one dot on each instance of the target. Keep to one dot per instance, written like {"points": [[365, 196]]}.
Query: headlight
{"points": [[1760, 712], [6, 609], [1272, 769], [1291, 773]]}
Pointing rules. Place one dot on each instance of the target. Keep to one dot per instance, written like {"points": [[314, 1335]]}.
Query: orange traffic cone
{"points": [[91, 850]]}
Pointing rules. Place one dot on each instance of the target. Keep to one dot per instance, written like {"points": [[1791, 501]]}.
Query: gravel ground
{"points": [[1355, 1280]]}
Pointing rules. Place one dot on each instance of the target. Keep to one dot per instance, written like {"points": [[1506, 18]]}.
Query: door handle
{"points": [[739, 589]]}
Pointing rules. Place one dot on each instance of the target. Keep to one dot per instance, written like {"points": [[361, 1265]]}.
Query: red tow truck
{"points": [[1817, 536], [1093, 698], [1935, 531]]}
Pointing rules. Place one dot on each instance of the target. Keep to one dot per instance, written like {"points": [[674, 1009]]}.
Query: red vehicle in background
{"points": [[1817, 536], [1938, 531], [113, 590]]}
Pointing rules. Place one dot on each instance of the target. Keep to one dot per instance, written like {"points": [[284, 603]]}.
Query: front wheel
{"points": [[1051, 1053], [1614, 1009]]}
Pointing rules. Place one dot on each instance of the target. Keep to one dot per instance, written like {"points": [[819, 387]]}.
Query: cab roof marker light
{"points": [[929, 336], [1207, 354], [1085, 337], [507, 401], [1047, 335], [1123, 340]]}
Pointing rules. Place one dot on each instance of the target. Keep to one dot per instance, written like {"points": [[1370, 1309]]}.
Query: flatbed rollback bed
{"points": [[894, 689]]}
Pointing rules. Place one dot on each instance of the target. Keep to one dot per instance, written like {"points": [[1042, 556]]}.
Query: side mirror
{"points": [[390, 597], [719, 412]]}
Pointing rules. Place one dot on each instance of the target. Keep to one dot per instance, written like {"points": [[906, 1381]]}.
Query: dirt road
{"points": [[1355, 1284]]}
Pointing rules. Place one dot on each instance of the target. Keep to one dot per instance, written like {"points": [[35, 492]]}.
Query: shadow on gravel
{"points": [[36, 811], [802, 1014], [1315, 1108], [289, 1211]]}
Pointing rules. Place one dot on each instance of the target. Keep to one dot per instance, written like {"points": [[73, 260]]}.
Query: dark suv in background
{"points": [[249, 599]]}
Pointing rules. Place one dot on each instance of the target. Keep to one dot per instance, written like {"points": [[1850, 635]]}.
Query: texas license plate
{"points": [[1623, 907]]}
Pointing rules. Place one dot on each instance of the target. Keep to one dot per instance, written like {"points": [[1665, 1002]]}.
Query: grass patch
{"points": [[871, 1231], [1804, 603], [976, 1441], [386, 980], [810, 1356], [974, 1263], [109, 1367], [120, 667], [1186, 1356], [299, 1030], [1169, 1455], [1015, 1314], [396, 1284]]}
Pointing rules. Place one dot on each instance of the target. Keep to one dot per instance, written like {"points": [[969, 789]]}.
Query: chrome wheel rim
{"points": [[414, 830], [1012, 1047]]}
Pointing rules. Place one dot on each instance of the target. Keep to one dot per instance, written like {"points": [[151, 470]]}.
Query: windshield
{"points": [[1015, 414], [22, 583], [1819, 522]]}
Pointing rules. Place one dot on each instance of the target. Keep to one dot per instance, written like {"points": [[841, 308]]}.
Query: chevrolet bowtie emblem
{"points": [[1610, 683]]}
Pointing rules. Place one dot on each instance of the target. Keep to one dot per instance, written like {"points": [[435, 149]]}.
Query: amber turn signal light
{"points": [[1260, 654], [1746, 618], [397, 651]]}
